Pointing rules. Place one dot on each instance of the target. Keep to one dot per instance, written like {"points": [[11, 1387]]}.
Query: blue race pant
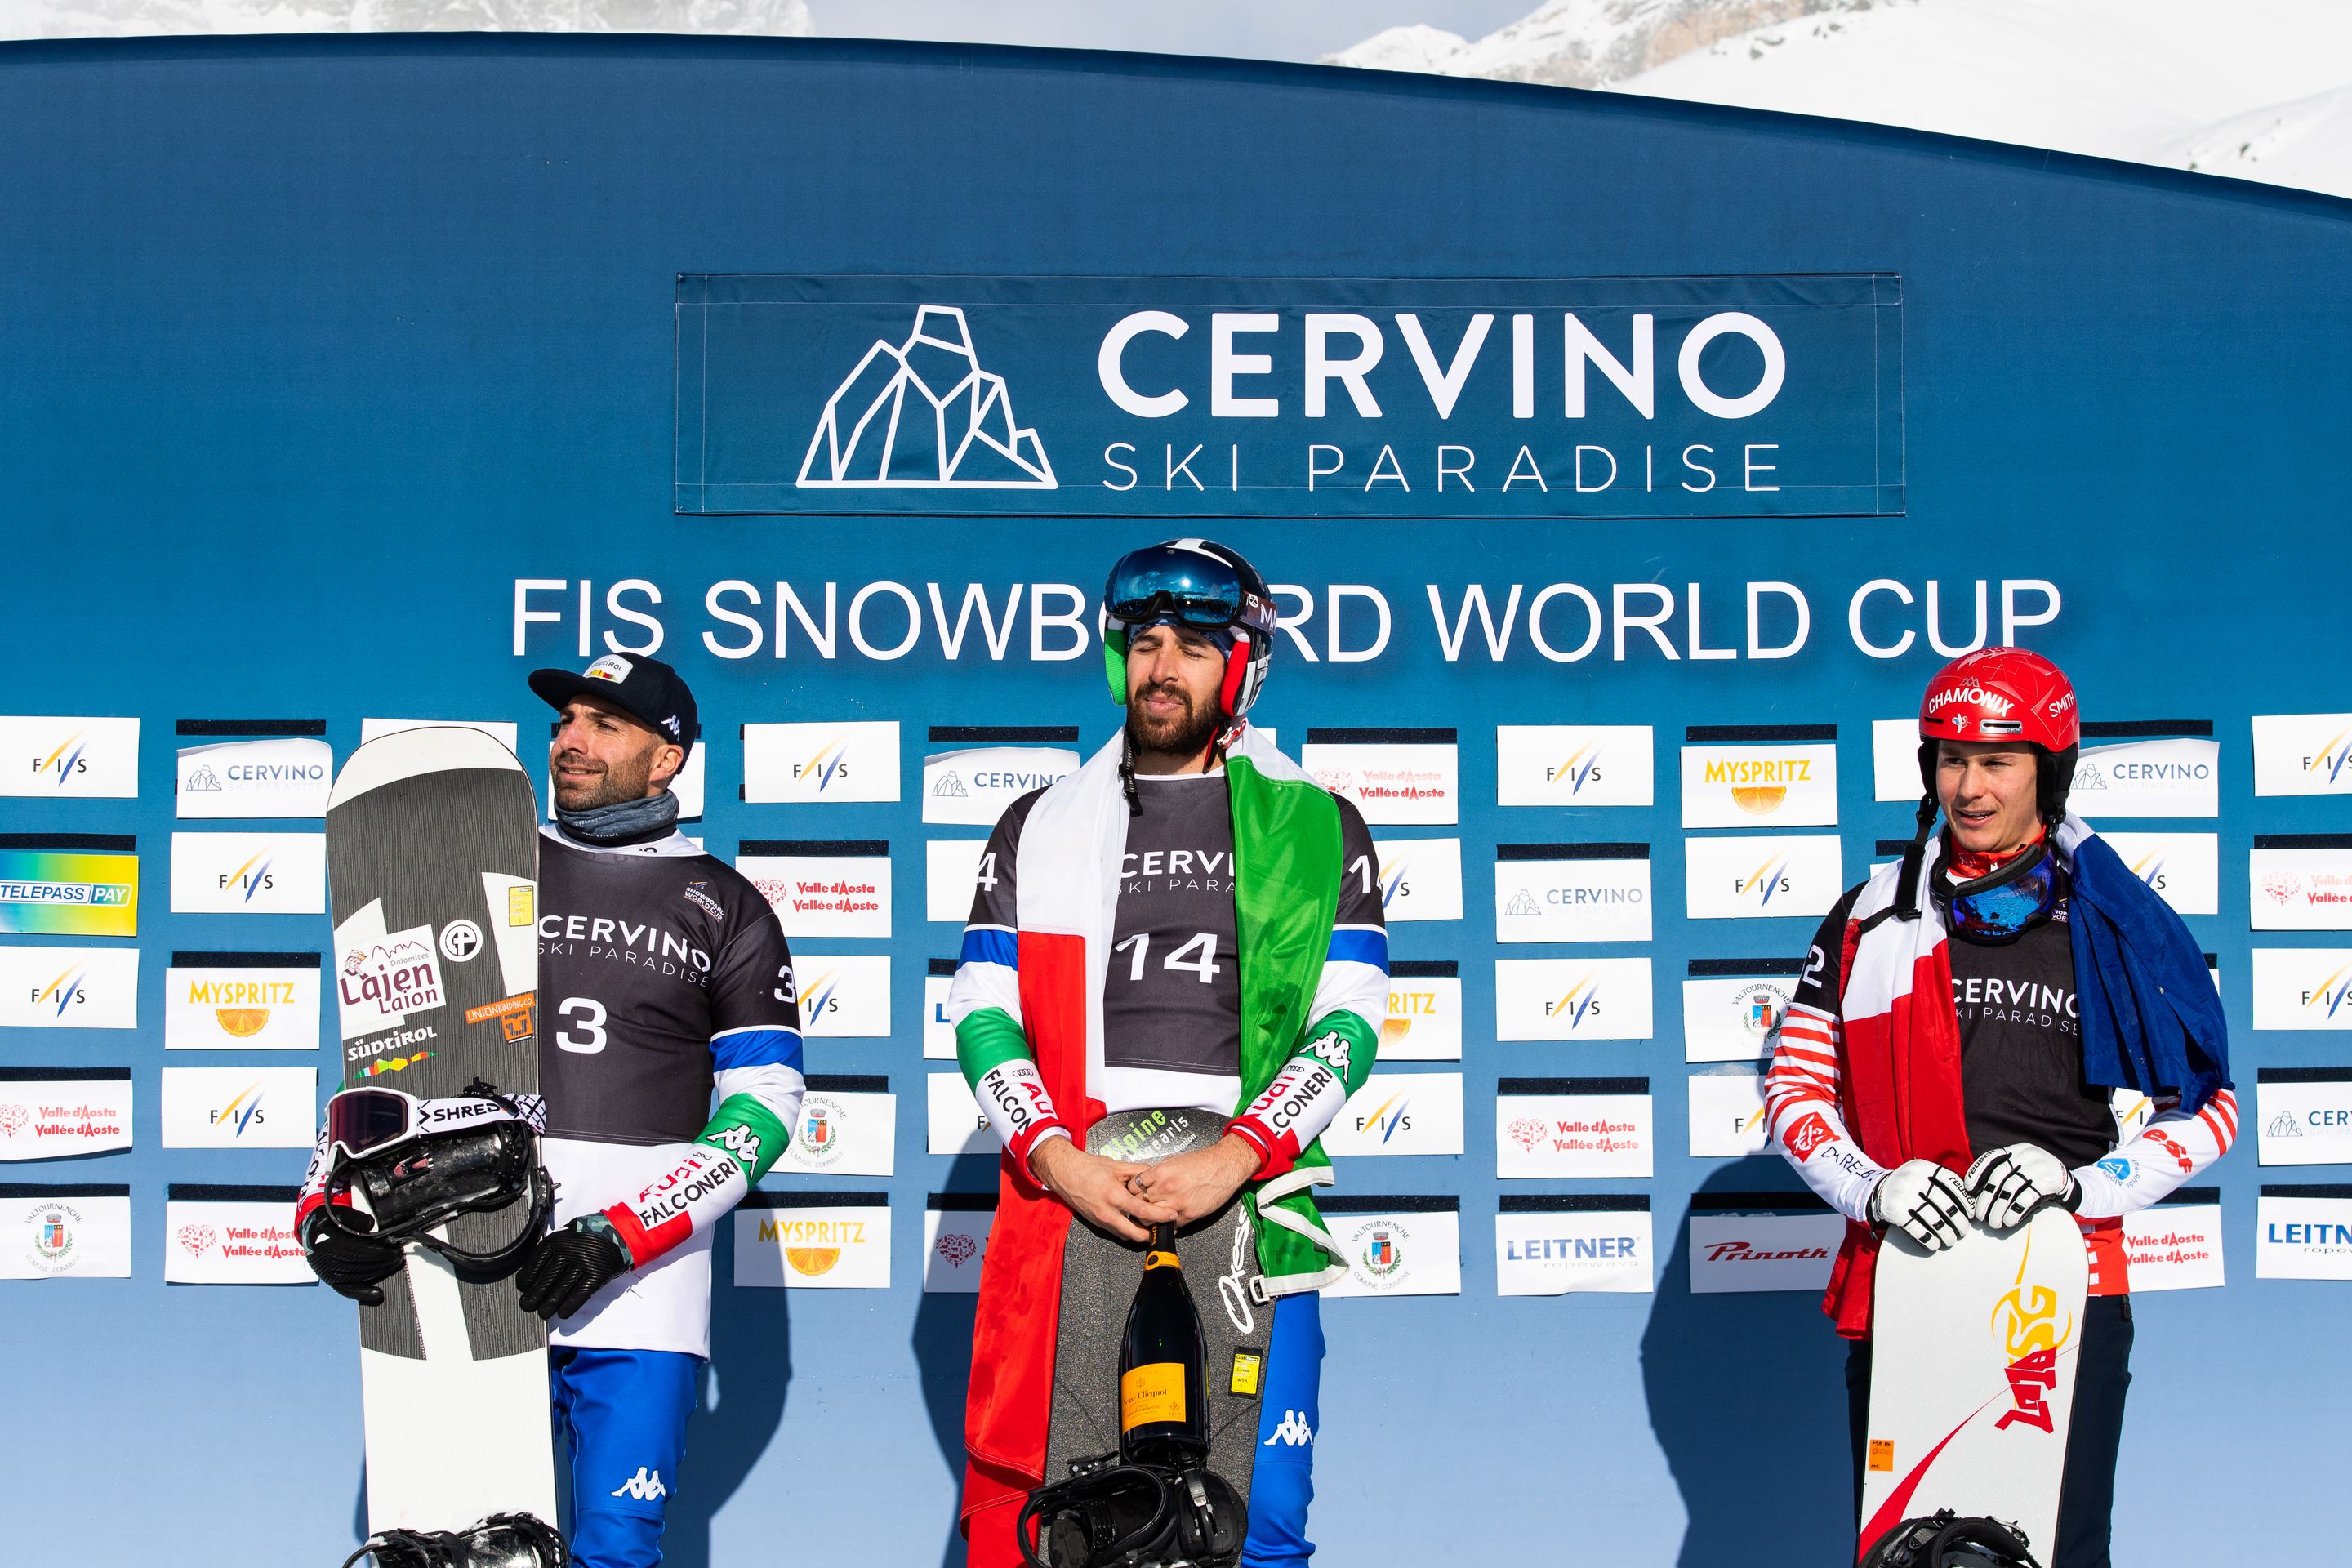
{"points": [[1289, 1417], [623, 1413]]}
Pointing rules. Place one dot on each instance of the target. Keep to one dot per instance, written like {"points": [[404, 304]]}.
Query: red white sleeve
{"points": [[1800, 1106], [2173, 1147]]}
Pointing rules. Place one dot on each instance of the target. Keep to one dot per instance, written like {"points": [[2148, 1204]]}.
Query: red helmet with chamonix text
{"points": [[1997, 694]]}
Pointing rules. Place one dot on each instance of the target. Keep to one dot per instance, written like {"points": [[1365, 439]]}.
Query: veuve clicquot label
{"points": [[1150, 1394]]}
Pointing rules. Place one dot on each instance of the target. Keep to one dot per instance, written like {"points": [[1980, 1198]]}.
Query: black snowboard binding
{"points": [[1112, 1515], [1945, 1540], [502, 1541]]}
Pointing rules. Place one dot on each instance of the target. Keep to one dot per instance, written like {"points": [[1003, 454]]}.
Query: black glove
{"points": [[570, 1266], [352, 1265]]}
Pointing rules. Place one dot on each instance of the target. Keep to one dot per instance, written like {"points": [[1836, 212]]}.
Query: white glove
{"points": [[1923, 1201], [2008, 1186]]}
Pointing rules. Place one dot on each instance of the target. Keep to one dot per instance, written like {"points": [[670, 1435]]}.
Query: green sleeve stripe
{"points": [[1363, 1043], [988, 1037], [744, 1127]]}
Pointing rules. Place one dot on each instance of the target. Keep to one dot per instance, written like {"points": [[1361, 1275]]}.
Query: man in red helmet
{"points": [[1966, 1055]]}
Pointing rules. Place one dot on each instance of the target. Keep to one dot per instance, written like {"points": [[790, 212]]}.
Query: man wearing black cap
{"points": [[662, 974]]}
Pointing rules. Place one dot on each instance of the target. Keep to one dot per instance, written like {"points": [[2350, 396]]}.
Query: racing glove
{"points": [[1923, 1201], [570, 1265], [350, 1264], [2010, 1186]]}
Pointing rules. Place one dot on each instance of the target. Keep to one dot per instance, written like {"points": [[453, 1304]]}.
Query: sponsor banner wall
{"points": [[283, 776], [1598, 1127], [813, 1241], [2176, 1244], [951, 869], [1400, 1113], [1762, 878], [843, 995], [2301, 881], [1553, 1244], [2304, 1115], [1731, 1006], [1572, 999], [1419, 879], [1424, 1016], [1727, 1114], [820, 765], [242, 1001], [1396, 1245], [55, 1113], [69, 758], [955, 1241], [2303, 753], [1572, 892], [240, 1108], [1573, 764], [822, 886], [848, 1127], [51, 1230], [2185, 868], [1746, 1242], [938, 1032], [2302, 988], [79, 884], [2304, 1231], [954, 1122], [972, 786], [1760, 775], [1396, 777], [232, 1234], [68, 987], [248, 873], [2175, 772]]}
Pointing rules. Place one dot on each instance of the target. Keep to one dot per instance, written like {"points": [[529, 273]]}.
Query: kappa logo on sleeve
{"points": [[1809, 1134]]}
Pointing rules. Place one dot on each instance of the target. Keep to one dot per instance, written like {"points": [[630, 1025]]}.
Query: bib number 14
{"points": [[1197, 956]]}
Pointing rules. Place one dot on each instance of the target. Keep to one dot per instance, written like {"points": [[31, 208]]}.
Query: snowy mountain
{"points": [[103, 19], [2260, 89]]}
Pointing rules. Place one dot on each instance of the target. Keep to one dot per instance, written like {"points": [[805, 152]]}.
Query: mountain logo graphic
{"points": [[950, 787], [1522, 903], [203, 780], [2283, 1125], [922, 414]]}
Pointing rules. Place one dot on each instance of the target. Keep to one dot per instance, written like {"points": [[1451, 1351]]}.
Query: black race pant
{"points": [[2086, 1500]]}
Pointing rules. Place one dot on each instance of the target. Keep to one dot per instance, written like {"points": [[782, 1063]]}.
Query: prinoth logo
{"points": [[1765, 883], [1758, 785], [2027, 1325], [2328, 762], [388, 979], [830, 761], [70, 758], [923, 415], [1583, 767], [1743, 1251], [64, 991], [1581, 998], [253, 877]]}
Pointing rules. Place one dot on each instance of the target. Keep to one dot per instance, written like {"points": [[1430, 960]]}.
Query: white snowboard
{"points": [[1972, 1378]]}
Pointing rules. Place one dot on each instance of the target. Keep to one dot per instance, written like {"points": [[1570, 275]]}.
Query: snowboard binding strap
{"points": [[502, 1541]]}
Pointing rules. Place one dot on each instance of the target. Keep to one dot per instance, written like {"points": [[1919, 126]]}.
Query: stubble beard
{"points": [[1183, 736], [620, 780]]}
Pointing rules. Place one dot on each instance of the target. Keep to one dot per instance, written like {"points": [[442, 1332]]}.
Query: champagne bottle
{"points": [[1163, 1415]]}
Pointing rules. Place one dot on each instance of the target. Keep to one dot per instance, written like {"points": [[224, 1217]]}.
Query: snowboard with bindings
{"points": [[432, 871], [1972, 1378]]}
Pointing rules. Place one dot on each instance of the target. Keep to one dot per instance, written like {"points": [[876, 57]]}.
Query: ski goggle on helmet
{"points": [[1199, 585]]}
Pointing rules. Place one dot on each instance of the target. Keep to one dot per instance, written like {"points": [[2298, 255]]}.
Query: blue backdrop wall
{"points": [[310, 351]]}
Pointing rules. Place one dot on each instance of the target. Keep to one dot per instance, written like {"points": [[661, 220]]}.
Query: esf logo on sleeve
{"points": [[1762, 878], [2302, 988], [955, 1241], [821, 1241], [1424, 1014], [1418, 879], [68, 757], [1400, 1113], [1571, 893], [2303, 753], [1782, 785], [2301, 882], [1572, 999], [1727, 1114], [242, 1001], [2161, 776], [844, 994], [1553, 1245], [821, 764], [974, 787], [1397, 1247], [248, 873], [68, 987], [1573, 764], [1395, 776], [2184, 869], [284, 776], [240, 1108]]}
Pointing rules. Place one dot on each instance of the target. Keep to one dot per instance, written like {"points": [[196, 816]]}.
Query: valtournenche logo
{"points": [[922, 414]]}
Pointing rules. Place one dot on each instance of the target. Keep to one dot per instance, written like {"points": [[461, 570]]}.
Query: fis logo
{"points": [[829, 763], [1583, 998], [2331, 993], [1389, 1117], [245, 1111], [1766, 882], [821, 996], [253, 877], [1392, 881], [70, 758], [63, 992], [645, 1486], [1583, 767], [2332, 758], [2150, 869]]}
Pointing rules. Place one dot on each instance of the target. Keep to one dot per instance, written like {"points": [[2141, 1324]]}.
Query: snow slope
{"points": [[2260, 90], [117, 18]]}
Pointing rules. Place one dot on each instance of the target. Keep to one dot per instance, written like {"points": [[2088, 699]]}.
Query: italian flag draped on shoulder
{"points": [[1028, 1008]]}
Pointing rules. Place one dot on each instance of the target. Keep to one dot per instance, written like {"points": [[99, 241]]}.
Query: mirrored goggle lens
{"points": [[2006, 909], [1198, 591], [1193, 612], [365, 1119]]}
